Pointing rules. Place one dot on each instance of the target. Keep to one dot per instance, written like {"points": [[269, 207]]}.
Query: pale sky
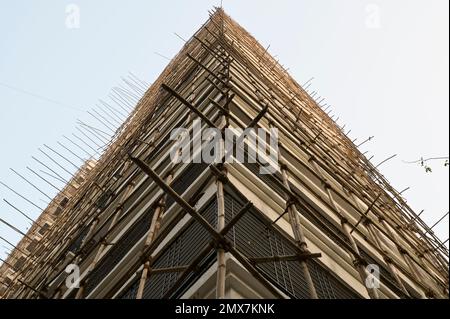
{"points": [[382, 64]]}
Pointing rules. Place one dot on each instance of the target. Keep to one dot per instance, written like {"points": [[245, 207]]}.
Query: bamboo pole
{"points": [[388, 260], [118, 211], [299, 236], [154, 226], [358, 261], [221, 255], [374, 236]]}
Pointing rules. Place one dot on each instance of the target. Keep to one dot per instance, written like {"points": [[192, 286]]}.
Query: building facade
{"points": [[324, 223]]}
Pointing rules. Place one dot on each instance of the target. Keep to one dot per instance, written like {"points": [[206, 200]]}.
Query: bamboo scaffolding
{"points": [[329, 150]]}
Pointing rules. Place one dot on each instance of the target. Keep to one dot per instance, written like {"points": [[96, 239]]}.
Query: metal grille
{"points": [[157, 150], [104, 199], [269, 180], [385, 276], [327, 285], [119, 250], [338, 237], [98, 235], [131, 291], [253, 238], [189, 175], [75, 246], [136, 195], [72, 294], [323, 224], [327, 227], [181, 252]]}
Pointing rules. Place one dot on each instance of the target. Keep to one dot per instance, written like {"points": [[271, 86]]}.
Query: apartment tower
{"points": [[324, 223]]}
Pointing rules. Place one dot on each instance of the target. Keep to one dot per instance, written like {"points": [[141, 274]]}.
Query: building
{"points": [[324, 224], [25, 253]]}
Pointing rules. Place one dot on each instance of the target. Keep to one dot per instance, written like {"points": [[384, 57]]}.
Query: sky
{"points": [[382, 64]]}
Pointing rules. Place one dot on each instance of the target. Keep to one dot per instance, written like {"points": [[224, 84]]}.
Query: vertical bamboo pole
{"points": [[402, 252], [392, 269], [103, 244], [221, 254], [221, 258], [358, 262], [298, 235], [374, 235], [154, 227]]}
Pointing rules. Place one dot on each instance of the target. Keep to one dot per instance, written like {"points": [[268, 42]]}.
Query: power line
{"points": [[38, 96]]}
